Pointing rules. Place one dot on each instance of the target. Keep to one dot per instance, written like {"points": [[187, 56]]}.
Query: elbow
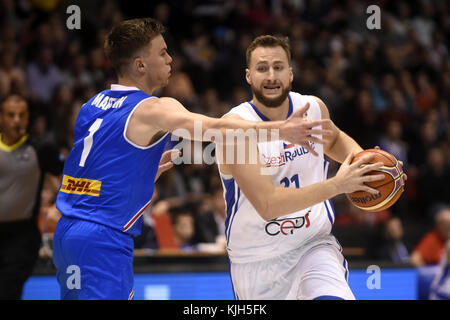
{"points": [[265, 210], [331, 143], [266, 204]]}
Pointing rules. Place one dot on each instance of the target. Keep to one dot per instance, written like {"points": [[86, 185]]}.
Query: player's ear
{"points": [[291, 77], [139, 64], [247, 76]]}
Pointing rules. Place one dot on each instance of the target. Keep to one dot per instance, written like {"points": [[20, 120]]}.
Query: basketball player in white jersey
{"points": [[278, 226]]}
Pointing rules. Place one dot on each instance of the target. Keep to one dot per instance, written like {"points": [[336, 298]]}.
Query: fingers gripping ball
{"points": [[390, 188]]}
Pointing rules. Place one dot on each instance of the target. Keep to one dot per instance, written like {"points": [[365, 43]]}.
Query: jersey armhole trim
{"points": [[225, 176], [228, 176], [126, 127], [316, 104]]}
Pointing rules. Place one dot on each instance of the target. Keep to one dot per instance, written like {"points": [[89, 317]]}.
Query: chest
{"points": [[291, 166], [19, 163]]}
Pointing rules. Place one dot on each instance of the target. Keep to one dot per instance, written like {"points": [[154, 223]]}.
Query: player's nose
{"points": [[271, 74], [169, 59]]}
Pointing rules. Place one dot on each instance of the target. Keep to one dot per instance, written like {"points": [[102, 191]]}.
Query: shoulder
{"points": [[317, 101], [162, 105], [298, 98], [316, 104], [322, 106], [161, 101], [302, 99]]}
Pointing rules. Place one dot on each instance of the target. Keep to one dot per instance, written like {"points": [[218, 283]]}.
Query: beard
{"points": [[271, 102]]}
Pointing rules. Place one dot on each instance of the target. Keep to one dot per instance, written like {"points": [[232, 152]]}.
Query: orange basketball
{"points": [[390, 188]]}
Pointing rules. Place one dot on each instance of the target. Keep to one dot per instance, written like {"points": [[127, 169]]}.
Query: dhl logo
{"points": [[80, 186]]}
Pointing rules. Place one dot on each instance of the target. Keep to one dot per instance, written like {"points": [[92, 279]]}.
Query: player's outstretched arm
{"points": [[167, 114]]}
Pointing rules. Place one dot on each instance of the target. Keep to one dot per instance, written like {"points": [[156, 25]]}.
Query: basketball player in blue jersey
{"points": [[109, 175], [279, 216]]}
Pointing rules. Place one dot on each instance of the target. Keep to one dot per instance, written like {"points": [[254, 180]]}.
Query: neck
{"points": [[138, 83], [273, 114], [10, 141]]}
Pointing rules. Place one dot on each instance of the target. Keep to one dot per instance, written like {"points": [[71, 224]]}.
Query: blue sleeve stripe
{"points": [[229, 188], [329, 207], [346, 269], [330, 216], [234, 213]]}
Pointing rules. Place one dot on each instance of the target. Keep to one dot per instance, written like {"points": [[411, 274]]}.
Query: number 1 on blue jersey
{"points": [[89, 140]]}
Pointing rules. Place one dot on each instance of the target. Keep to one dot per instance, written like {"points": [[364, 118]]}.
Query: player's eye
{"points": [[261, 68]]}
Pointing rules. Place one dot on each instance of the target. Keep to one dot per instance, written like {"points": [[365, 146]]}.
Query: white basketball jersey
{"points": [[251, 238]]}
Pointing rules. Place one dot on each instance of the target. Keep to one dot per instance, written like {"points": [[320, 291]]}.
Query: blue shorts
{"points": [[93, 261]]}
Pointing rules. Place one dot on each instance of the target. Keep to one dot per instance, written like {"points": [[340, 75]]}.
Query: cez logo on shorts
{"points": [[288, 225]]}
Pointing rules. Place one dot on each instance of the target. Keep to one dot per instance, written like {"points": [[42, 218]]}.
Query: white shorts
{"points": [[314, 270]]}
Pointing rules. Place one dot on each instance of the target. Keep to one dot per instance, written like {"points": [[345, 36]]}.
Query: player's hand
{"points": [[166, 161], [351, 176], [299, 131]]}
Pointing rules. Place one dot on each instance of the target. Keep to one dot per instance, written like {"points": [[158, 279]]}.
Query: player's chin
{"points": [[273, 101], [164, 83]]}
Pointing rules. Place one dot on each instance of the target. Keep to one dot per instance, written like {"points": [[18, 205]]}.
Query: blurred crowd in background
{"points": [[387, 87]]}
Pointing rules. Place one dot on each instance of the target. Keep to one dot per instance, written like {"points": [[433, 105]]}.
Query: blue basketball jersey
{"points": [[107, 179]]}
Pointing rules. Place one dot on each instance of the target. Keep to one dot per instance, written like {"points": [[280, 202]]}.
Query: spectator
{"points": [[365, 121], [183, 227], [43, 75], [78, 75], [97, 64], [12, 77], [211, 104], [210, 222], [433, 187], [423, 24], [181, 88], [430, 249], [427, 139], [388, 244], [392, 142], [147, 239], [397, 109], [427, 96]]}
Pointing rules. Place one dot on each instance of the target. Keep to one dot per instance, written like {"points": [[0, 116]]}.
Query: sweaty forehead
{"points": [[269, 55]]}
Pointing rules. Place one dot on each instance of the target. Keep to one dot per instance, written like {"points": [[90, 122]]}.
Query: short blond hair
{"points": [[126, 39]]}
